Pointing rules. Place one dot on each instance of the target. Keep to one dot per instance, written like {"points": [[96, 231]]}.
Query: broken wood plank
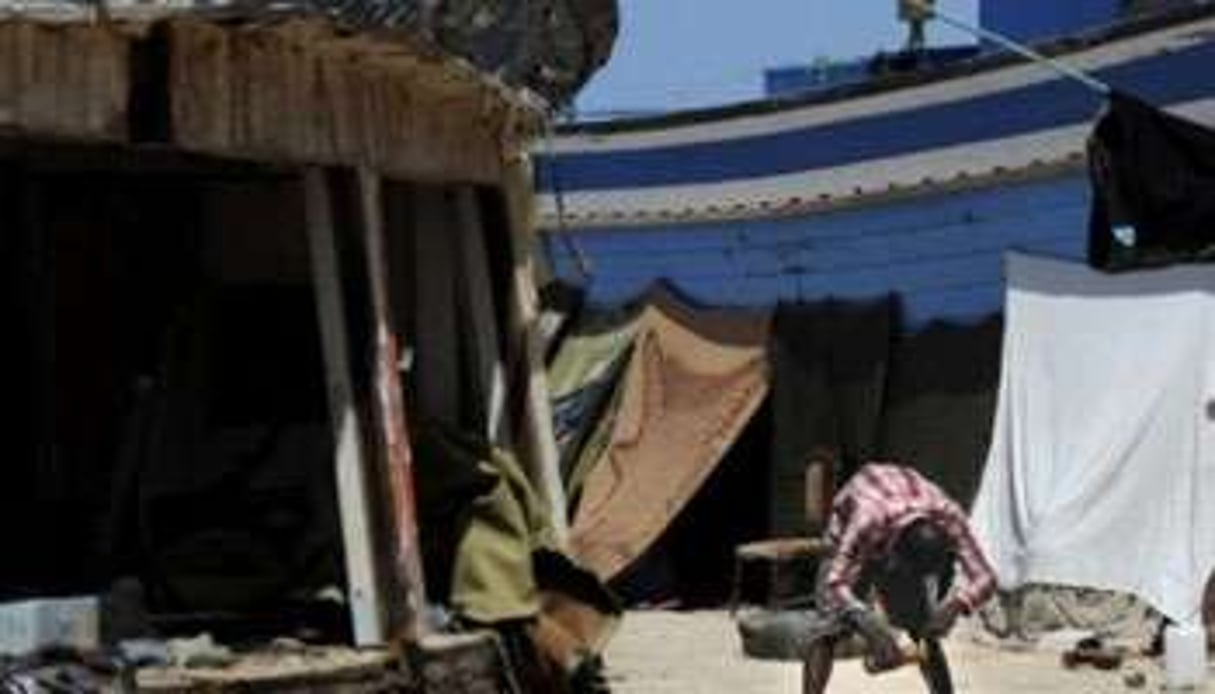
{"points": [[351, 461], [389, 406]]}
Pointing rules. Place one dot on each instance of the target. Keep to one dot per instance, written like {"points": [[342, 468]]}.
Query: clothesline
{"points": [[931, 12]]}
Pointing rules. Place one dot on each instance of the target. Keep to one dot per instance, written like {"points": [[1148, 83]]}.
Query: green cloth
{"points": [[481, 522], [494, 578], [583, 380], [587, 356]]}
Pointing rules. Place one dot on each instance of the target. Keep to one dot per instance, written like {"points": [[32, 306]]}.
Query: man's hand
{"points": [[884, 653], [943, 619]]}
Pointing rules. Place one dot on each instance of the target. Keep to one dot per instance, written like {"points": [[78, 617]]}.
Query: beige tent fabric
{"points": [[694, 380]]}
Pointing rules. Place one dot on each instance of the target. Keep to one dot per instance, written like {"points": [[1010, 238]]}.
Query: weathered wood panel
{"points": [[301, 92], [67, 80], [297, 92], [196, 127]]}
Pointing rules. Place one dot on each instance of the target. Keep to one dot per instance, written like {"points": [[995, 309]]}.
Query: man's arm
{"points": [[979, 579], [847, 561]]}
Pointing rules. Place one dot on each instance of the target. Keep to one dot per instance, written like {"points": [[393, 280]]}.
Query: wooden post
{"points": [[478, 296], [437, 332], [350, 460], [540, 443], [390, 410]]}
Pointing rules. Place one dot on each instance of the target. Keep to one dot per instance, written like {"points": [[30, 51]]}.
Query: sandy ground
{"points": [[699, 653]]}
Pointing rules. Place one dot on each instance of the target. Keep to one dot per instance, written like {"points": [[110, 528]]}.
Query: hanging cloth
{"points": [[1102, 462], [1153, 180], [829, 362]]}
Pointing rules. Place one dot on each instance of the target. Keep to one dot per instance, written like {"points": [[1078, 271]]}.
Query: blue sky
{"points": [[676, 54]]}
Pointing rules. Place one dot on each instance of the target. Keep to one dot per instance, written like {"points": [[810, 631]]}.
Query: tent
{"points": [[693, 382], [1102, 452]]}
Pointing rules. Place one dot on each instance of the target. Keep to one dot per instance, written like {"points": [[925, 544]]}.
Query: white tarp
{"points": [[1101, 471]]}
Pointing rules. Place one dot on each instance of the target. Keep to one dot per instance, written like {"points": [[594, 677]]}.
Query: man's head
{"points": [[924, 548]]}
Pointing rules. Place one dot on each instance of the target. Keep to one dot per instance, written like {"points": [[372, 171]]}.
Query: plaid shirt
{"points": [[873, 508]]}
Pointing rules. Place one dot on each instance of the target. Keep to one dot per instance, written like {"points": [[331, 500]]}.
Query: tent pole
{"points": [[1017, 47]]}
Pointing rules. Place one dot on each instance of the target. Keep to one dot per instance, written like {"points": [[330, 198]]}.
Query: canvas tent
{"points": [[693, 382], [1101, 462]]}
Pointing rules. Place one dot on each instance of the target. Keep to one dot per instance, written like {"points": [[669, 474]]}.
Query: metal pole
{"points": [[1016, 47]]}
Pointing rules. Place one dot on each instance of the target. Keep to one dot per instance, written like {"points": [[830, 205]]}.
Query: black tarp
{"points": [[849, 386], [940, 400], [829, 362], [1153, 178]]}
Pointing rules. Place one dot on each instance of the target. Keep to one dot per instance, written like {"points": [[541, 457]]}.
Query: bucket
{"points": [[1185, 656]]}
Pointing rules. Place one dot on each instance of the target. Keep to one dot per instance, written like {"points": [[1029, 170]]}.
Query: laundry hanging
{"points": [[1101, 471]]}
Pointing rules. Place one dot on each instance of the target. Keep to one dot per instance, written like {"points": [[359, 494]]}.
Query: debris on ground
{"points": [[1093, 651], [60, 669], [318, 668], [1135, 679], [200, 652], [145, 652], [680, 652]]}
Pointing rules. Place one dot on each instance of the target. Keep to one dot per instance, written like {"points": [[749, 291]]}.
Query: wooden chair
{"points": [[791, 562]]}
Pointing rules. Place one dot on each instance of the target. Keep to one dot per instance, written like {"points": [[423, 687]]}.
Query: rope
{"points": [[581, 262], [1020, 49]]}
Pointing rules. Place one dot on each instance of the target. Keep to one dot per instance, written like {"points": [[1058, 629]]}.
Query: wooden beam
{"points": [[389, 407], [369, 102], [437, 325], [481, 321], [350, 460], [544, 464]]}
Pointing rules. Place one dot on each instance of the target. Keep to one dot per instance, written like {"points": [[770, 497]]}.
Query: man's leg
{"points": [[817, 664], [910, 594], [911, 598]]}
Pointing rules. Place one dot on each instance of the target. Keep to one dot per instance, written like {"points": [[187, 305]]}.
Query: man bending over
{"points": [[897, 538]]}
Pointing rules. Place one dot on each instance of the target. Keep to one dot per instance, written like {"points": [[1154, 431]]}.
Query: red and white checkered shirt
{"points": [[867, 516]]}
